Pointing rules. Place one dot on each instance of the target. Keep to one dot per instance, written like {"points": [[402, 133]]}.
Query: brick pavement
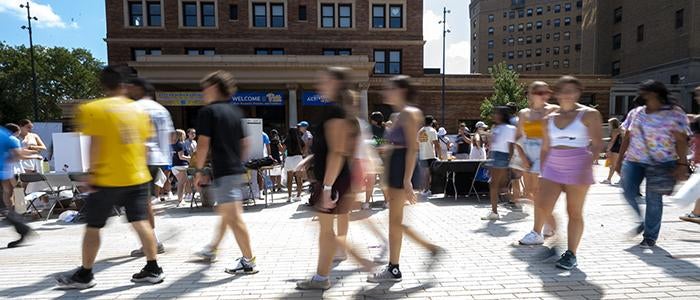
{"points": [[481, 262]]}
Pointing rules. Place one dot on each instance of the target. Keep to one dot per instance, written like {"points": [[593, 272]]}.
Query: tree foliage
{"points": [[506, 88], [62, 74]]}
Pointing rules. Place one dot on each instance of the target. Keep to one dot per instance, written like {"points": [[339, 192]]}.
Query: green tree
{"points": [[506, 88], [62, 74]]}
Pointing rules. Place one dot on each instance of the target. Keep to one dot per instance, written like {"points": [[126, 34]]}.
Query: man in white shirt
{"points": [[158, 146], [306, 137], [428, 150]]}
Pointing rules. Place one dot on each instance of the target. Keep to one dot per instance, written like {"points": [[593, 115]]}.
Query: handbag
{"points": [[659, 176]]}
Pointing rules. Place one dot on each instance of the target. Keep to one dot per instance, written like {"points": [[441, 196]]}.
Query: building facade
{"points": [[530, 36]]}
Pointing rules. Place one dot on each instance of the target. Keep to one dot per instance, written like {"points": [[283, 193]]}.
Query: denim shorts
{"points": [[227, 189], [498, 160], [532, 149]]}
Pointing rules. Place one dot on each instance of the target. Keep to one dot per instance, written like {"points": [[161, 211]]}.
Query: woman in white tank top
{"points": [[572, 140]]}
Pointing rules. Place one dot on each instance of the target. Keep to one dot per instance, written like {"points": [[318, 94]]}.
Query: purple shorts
{"points": [[569, 166]]}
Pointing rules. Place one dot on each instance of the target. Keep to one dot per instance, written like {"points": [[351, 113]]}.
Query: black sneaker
{"points": [[567, 261], [647, 244], [68, 282], [388, 274], [145, 275]]}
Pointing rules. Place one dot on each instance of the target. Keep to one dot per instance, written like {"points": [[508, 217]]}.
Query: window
{"points": [[521, 27], [198, 51], [491, 18], [259, 15], [557, 22], [521, 13], [154, 16], [511, 28], [555, 64], [549, 22], [189, 14], [529, 26], [277, 15], [617, 41], [615, 68], [208, 14], [396, 16], [505, 14], [538, 66], [538, 52], [302, 13], [337, 52], [505, 41], [538, 38], [567, 49], [577, 47], [579, 4], [233, 12], [567, 36], [490, 44], [505, 27], [327, 15], [520, 67], [521, 40], [378, 16], [539, 11], [387, 62], [556, 37], [345, 15], [138, 52], [566, 63], [528, 40], [555, 50], [528, 67], [528, 53], [269, 51], [520, 53], [640, 33], [504, 54], [491, 30], [547, 36], [511, 14], [567, 21], [675, 79], [567, 6], [679, 19], [557, 8], [511, 41], [135, 14], [529, 12], [538, 24], [490, 57], [617, 15], [510, 67], [579, 19], [511, 55]]}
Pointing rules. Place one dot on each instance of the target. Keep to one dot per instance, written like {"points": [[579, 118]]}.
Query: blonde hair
{"points": [[614, 123], [224, 82], [180, 134]]}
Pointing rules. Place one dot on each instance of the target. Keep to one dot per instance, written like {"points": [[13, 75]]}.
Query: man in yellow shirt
{"points": [[119, 175]]}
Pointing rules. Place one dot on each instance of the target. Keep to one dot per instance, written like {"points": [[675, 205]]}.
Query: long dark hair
{"points": [[403, 82], [293, 141], [504, 112], [344, 96], [660, 89]]}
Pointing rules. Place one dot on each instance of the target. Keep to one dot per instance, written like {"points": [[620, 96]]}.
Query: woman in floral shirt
{"points": [[654, 149]]}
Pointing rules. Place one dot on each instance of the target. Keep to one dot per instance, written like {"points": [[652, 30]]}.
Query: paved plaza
{"points": [[481, 261]]}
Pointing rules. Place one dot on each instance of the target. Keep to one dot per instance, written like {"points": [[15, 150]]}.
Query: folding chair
{"points": [[27, 178], [79, 193], [54, 193], [481, 175]]}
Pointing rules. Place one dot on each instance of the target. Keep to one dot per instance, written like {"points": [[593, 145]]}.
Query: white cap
{"points": [[481, 125], [442, 131]]}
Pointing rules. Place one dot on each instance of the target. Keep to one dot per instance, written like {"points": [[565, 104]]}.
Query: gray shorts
{"points": [[228, 188]]}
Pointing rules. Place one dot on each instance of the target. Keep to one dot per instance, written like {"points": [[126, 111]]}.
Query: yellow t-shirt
{"points": [[121, 131]]}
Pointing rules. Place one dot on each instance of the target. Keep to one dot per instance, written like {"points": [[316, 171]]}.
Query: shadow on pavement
{"points": [[383, 291], [557, 282], [673, 266], [193, 280]]}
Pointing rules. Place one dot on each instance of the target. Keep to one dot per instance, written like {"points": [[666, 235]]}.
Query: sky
{"points": [[81, 24]]}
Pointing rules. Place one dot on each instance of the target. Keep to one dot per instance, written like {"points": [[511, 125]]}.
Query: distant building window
{"points": [[567, 6], [617, 15], [520, 53], [675, 79], [135, 13], [567, 49], [579, 19], [490, 56], [200, 51], [387, 61], [491, 18], [566, 63], [577, 47], [396, 16], [579, 4], [520, 67], [529, 12], [521, 13], [555, 50], [154, 15], [528, 67], [521, 40], [567, 21], [138, 52], [557, 22], [521, 27], [505, 41], [327, 15], [491, 30], [539, 11], [528, 26], [567, 36], [538, 24], [189, 15], [259, 15], [528, 53], [511, 55], [378, 16], [511, 14], [490, 44], [511, 28], [511, 41], [208, 14], [345, 15], [617, 41], [528, 40], [556, 37], [557, 8], [233, 12], [538, 52], [277, 15], [640, 33], [555, 64], [679, 19], [337, 52], [615, 68], [538, 38], [302, 13], [269, 51]]}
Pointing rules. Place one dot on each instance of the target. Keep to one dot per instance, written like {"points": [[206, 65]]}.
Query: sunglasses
{"points": [[542, 93]]}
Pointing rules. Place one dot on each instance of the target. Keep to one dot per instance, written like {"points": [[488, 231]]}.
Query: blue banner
{"points": [[258, 98], [313, 99]]}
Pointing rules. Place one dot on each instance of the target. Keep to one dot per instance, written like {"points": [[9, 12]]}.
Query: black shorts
{"points": [[397, 169], [427, 163], [100, 203]]}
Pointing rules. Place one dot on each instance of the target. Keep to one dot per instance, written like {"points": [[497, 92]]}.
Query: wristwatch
{"points": [[327, 188]]}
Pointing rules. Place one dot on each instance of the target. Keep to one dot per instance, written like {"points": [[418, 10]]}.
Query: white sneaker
{"points": [[492, 216], [547, 230], [532, 238], [170, 196], [365, 206], [605, 181]]}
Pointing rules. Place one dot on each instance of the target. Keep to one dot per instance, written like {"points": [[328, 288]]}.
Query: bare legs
{"points": [[397, 228], [231, 215], [544, 205], [498, 180], [613, 160], [575, 198], [326, 244], [181, 182], [91, 242], [294, 177]]}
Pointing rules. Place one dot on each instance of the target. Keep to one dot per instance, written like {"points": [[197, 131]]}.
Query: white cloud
{"points": [[432, 29], [44, 12], [459, 50]]}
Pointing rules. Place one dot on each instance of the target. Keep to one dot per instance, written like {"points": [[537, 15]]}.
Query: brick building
{"points": [[276, 47]]}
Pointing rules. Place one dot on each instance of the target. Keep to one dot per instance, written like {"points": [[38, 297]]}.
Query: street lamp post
{"points": [[445, 31], [35, 100]]}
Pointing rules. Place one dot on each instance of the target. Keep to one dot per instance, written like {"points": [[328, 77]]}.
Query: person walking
{"points": [[572, 139], [399, 171], [428, 152], [654, 148], [531, 125], [157, 146], [616, 134], [119, 176], [295, 152], [10, 153], [503, 137], [694, 215], [221, 132]]}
